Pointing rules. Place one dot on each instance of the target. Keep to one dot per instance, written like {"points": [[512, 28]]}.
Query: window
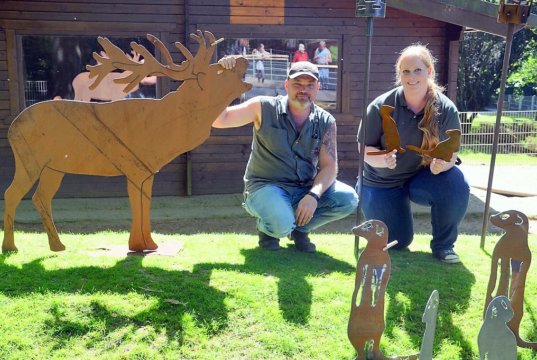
{"points": [[270, 60], [55, 67]]}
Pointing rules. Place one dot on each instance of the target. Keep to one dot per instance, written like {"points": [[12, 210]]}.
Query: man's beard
{"points": [[305, 100]]}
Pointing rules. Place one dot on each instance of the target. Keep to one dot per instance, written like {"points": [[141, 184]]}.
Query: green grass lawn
{"points": [[222, 298], [491, 119], [473, 158]]}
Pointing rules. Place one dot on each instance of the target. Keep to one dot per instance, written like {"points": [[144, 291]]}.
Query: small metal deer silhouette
{"points": [[391, 134], [443, 150]]}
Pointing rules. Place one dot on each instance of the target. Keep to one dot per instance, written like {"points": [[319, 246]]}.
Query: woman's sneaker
{"points": [[447, 256]]}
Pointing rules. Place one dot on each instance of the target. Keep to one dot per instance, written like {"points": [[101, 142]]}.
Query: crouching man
{"points": [[290, 180]]}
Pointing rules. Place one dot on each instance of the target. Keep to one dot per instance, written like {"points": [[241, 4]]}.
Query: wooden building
{"points": [[218, 165]]}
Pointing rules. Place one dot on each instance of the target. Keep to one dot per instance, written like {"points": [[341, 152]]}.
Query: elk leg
{"points": [[21, 184], [140, 201], [49, 183]]}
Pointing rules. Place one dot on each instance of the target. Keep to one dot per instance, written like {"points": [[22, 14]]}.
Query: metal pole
{"points": [[361, 136], [505, 67]]}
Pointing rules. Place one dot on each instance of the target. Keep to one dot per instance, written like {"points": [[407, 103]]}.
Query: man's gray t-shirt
{"points": [[409, 162], [280, 153]]}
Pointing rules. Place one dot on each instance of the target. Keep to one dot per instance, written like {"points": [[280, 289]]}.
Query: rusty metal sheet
{"points": [[511, 251], [130, 137]]}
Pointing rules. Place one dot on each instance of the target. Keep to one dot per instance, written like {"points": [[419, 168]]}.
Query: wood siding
{"points": [[163, 18], [218, 165]]}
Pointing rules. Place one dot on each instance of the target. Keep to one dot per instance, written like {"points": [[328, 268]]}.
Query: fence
{"points": [[520, 102], [35, 91], [518, 132]]}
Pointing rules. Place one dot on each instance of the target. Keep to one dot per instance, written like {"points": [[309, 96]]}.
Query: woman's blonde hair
{"points": [[429, 123]]}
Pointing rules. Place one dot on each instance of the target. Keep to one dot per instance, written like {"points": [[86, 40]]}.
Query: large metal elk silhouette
{"points": [[131, 137]]}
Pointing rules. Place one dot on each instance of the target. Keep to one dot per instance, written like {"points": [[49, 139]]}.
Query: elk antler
{"points": [[117, 59]]}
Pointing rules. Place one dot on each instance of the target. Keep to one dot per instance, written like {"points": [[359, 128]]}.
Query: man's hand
{"points": [[305, 209], [227, 62]]}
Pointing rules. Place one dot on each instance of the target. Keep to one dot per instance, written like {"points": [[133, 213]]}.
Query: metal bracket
{"points": [[514, 12], [370, 8]]}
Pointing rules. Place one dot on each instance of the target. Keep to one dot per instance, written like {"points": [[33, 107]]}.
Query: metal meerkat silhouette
{"points": [[513, 245], [391, 134], [495, 340], [131, 137], [429, 318], [443, 150], [366, 321]]}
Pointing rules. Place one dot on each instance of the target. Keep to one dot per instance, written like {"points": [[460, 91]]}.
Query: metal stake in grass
{"points": [[515, 12], [369, 9]]}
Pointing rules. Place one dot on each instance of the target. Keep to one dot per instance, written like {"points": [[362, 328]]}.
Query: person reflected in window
{"points": [[301, 54], [260, 54], [321, 57]]}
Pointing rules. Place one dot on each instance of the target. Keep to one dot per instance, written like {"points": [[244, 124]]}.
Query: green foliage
{"points": [[223, 298], [480, 64], [524, 77]]}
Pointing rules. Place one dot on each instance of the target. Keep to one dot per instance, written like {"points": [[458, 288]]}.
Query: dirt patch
{"points": [[472, 224]]}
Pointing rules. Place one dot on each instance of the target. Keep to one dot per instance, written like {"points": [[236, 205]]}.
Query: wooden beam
{"points": [[477, 15], [257, 12], [13, 73], [85, 27]]}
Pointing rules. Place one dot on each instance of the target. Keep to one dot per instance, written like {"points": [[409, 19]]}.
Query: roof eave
{"points": [[478, 15]]}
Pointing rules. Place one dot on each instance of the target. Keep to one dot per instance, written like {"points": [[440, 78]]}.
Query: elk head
{"points": [[194, 68]]}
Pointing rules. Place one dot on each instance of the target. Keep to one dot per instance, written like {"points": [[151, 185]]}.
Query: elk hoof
{"points": [[57, 247], [9, 249], [151, 245]]}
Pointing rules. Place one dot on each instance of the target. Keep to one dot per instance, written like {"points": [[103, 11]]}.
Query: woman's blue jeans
{"points": [[274, 207], [447, 195]]}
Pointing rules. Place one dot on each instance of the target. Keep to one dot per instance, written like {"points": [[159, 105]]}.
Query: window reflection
{"points": [[270, 59], [55, 67]]}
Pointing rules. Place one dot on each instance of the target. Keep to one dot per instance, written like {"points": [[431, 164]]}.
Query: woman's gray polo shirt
{"points": [[280, 153], [409, 162]]}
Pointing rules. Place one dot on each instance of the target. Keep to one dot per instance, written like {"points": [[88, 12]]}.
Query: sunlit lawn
{"points": [[222, 298]]}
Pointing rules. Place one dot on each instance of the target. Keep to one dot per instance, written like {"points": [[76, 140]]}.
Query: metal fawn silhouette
{"points": [[512, 246], [443, 150], [131, 137], [495, 340]]}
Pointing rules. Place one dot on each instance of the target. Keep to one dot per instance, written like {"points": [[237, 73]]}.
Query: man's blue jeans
{"points": [[274, 207], [447, 195]]}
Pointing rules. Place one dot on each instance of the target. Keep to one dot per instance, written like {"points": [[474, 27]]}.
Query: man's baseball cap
{"points": [[303, 68]]}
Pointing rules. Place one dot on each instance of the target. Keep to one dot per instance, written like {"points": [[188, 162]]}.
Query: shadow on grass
{"points": [[409, 294], [191, 294], [190, 289], [291, 269]]}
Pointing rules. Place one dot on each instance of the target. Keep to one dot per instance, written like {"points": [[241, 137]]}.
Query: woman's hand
{"points": [[388, 160], [438, 165]]}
